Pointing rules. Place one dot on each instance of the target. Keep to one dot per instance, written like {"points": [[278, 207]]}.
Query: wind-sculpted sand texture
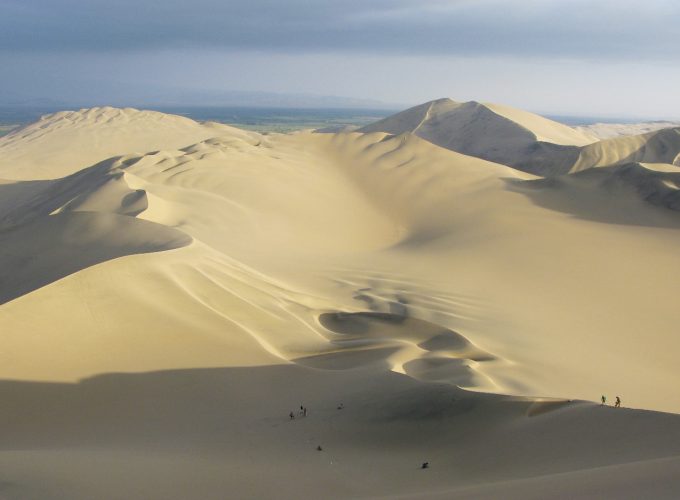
{"points": [[166, 305]]}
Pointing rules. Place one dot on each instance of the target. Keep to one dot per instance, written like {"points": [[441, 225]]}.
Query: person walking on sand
{"points": [[604, 400], [618, 402], [292, 415]]}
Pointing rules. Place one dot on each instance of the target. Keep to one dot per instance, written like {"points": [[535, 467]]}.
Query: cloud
{"points": [[582, 29]]}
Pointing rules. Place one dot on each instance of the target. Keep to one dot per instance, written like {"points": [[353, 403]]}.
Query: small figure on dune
{"points": [[618, 402], [341, 406], [319, 448], [604, 400], [292, 415], [425, 465]]}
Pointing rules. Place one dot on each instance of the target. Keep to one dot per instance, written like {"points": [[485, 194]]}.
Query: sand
{"points": [[172, 290]]}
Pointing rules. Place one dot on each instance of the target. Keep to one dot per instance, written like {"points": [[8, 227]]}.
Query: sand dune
{"points": [[166, 305], [613, 194], [526, 141], [492, 132], [63, 143]]}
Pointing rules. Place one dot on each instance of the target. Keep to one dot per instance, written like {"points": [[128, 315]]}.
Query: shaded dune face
{"points": [[635, 194], [98, 435], [49, 248], [52, 229], [100, 188]]}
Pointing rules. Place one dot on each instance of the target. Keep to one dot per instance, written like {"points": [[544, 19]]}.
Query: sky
{"points": [[618, 58]]}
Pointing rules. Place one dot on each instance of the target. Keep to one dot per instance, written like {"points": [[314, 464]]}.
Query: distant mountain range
{"points": [[208, 98]]}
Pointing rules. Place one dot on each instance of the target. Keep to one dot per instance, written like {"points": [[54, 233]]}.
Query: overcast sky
{"points": [[577, 57]]}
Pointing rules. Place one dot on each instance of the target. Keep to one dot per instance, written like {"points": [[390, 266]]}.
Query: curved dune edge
{"points": [[415, 347]]}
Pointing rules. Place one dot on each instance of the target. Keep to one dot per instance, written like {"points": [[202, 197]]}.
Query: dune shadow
{"points": [[50, 229], [244, 411], [349, 359], [195, 404], [441, 369], [440, 354], [50, 248], [384, 325], [624, 195]]}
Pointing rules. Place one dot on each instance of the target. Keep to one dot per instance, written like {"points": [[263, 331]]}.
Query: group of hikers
{"points": [[302, 412], [617, 404]]}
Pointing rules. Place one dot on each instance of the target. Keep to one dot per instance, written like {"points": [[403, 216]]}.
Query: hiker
{"points": [[618, 402], [292, 415], [319, 448], [425, 465], [604, 400]]}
